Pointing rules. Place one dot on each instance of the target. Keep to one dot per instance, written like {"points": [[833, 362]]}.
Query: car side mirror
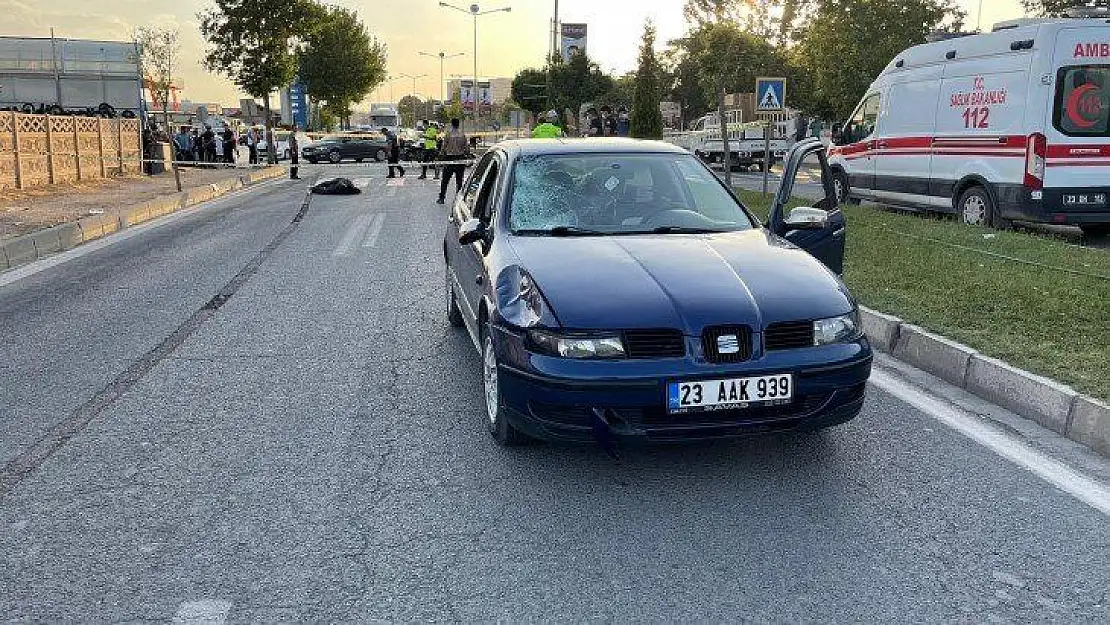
{"points": [[807, 218], [472, 231]]}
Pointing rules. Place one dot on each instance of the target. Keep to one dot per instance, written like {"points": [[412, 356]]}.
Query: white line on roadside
{"points": [[361, 183], [375, 230], [15, 275], [354, 233], [1005, 445], [211, 611]]}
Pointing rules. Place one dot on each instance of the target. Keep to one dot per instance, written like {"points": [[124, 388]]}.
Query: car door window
{"points": [[483, 207], [473, 184], [863, 122]]}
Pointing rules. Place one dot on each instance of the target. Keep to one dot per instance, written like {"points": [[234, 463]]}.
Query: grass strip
{"points": [[1002, 293]]}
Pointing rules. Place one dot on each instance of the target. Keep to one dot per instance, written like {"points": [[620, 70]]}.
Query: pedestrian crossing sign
{"points": [[770, 94]]}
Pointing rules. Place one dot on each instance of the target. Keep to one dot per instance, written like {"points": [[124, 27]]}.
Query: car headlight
{"points": [[841, 329], [577, 346]]}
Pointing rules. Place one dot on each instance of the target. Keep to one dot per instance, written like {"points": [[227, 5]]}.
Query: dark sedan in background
{"points": [[356, 147], [617, 289]]}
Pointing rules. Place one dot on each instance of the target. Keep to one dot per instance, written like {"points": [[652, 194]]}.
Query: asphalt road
{"points": [[239, 416]]}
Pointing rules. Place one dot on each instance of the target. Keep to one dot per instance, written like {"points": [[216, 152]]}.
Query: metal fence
{"points": [[37, 150]]}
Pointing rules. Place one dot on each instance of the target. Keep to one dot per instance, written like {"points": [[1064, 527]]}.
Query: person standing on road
{"points": [[252, 146], [548, 129], [455, 148], [428, 153], [208, 144], [394, 149], [294, 154], [229, 145]]}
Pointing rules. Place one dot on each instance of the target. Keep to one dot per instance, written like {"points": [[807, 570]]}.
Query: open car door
{"points": [[817, 226]]}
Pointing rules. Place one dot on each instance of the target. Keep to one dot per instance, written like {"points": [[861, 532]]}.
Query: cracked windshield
{"points": [[522, 311]]}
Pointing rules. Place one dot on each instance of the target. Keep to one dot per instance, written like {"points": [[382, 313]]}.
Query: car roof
{"points": [[608, 145]]}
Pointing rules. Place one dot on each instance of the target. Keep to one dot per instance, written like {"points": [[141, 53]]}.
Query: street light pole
{"points": [[442, 87], [413, 94], [476, 12]]}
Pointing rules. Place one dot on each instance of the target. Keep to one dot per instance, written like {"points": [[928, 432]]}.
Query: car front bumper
{"points": [[576, 401]]}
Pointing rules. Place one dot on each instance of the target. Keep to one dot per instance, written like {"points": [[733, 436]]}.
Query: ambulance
{"points": [[1009, 125]]}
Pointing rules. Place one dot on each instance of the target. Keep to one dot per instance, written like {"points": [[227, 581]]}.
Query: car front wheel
{"points": [[503, 432], [379, 155], [334, 156]]}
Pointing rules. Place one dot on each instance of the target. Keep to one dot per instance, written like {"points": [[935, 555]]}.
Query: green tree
{"points": [[254, 43], [850, 42], [767, 19], [685, 84], [341, 63], [1057, 8], [646, 121], [412, 110], [529, 89]]}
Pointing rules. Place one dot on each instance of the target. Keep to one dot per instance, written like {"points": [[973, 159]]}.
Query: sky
{"points": [[507, 42]]}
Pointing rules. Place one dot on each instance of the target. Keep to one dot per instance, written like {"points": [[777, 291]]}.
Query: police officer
{"points": [[294, 153], [431, 137], [548, 129]]}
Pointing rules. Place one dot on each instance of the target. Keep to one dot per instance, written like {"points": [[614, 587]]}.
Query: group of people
{"points": [[190, 144], [607, 123], [452, 147]]}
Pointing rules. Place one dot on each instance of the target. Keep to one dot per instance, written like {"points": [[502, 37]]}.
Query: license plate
{"points": [[729, 393], [1085, 199]]}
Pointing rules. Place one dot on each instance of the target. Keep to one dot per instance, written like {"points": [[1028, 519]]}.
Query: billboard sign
{"points": [[298, 104], [573, 40], [485, 95], [466, 93]]}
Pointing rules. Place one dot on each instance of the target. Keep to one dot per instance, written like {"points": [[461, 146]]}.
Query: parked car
{"points": [[681, 316], [1009, 125], [354, 146], [282, 139]]}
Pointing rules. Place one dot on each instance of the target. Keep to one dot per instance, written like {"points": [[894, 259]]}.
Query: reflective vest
{"points": [[430, 137], [547, 130]]}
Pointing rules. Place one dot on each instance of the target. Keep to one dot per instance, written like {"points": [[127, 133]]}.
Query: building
{"points": [[501, 89]]}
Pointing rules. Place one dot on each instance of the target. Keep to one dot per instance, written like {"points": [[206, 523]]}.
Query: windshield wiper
{"points": [[566, 231], [684, 230]]}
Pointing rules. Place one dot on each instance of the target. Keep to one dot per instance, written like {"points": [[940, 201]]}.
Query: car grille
{"points": [[789, 335], [654, 344], [727, 343]]}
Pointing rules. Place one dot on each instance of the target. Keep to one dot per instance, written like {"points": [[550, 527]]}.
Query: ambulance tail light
{"points": [[1035, 151]]}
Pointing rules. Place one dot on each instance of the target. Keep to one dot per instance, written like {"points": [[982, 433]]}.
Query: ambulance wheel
{"points": [[841, 188], [976, 208]]}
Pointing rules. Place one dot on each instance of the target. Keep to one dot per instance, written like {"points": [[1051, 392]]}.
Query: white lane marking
{"points": [[1083, 488], [354, 233], [396, 182], [203, 611], [361, 183], [15, 275], [375, 230]]}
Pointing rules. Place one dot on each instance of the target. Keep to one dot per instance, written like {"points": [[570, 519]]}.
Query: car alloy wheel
{"points": [[334, 156], [499, 427], [379, 155], [840, 187]]}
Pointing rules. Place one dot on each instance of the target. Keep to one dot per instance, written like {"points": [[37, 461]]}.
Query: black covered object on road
{"points": [[336, 186]]}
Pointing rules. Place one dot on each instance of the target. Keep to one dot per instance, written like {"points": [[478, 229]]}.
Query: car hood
{"points": [[678, 281]]}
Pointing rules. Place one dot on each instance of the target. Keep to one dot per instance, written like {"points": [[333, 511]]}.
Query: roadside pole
{"points": [[766, 154]]}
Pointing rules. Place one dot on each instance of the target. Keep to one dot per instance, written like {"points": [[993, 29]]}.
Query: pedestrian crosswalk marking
{"points": [[347, 245], [374, 230]]}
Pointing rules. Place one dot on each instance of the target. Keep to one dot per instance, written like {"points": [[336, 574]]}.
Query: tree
{"points": [[836, 63], [411, 109], [160, 53], [646, 121], [254, 43], [766, 19], [341, 63], [529, 89], [686, 86], [1057, 8]]}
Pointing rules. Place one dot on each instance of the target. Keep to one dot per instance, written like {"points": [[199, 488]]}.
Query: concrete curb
{"points": [[31, 247], [1051, 404]]}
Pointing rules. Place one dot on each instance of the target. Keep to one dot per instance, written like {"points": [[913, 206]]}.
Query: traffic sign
{"points": [[770, 95]]}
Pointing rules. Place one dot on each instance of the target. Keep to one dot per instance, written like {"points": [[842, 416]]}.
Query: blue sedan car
{"points": [[616, 289]]}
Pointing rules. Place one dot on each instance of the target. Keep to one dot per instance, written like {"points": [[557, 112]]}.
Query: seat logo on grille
{"points": [[728, 344]]}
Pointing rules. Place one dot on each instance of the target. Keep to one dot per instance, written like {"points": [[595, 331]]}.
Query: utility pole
{"points": [[476, 12], [442, 86]]}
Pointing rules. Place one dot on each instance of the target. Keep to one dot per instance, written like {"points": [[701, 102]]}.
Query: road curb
{"points": [[31, 247], [1047, 402]]}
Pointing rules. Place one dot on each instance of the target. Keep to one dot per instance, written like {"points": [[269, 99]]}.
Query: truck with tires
{"points": [[1009, 125]]}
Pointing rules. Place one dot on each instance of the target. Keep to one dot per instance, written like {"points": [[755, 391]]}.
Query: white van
{"points": [[1010, 125]]}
